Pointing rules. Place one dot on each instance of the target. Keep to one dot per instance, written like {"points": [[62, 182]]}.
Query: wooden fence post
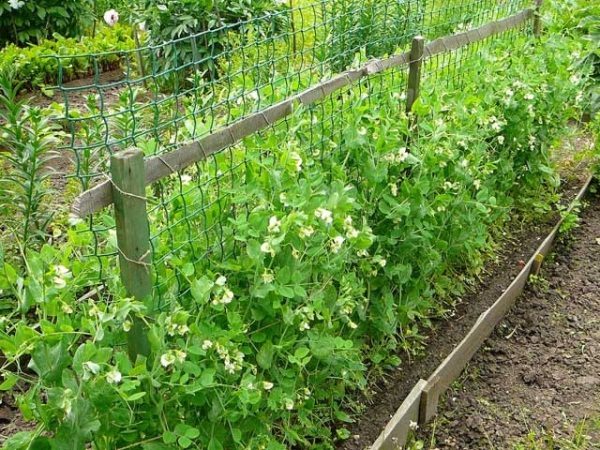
{"points": [[537, 19], [133, 237], [414, 73]]}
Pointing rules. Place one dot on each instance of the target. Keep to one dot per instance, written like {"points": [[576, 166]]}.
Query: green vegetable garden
{"points": [[222, 223]]}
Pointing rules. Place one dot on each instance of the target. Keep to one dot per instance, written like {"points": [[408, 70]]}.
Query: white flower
{"points": [[167, 359], [186, 179], [501, 140], [352, 233], [114, 377], [274, 225], [382, 262], [362, 131], [142, 26], [111, 17], [266, 247], [362, 253], [413, 425], [206, 344], [325, 215], [127, 326], [15, 4], [227, 296], [297, 159], [352, 325], [182, 330], [336, 244], [59, 282], [306, 232], [464, 163], [180, 356], [62, 271], [304, 326], [267, 385], [66, 308], [394, 189], [253, 95], [509, 93], [529, 96], [268, 276], [229, 366], [221, 280], [289, 404], [91, 367], [477, 184]]}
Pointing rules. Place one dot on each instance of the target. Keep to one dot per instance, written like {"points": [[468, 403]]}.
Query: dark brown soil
{"points": [[540, 370]]}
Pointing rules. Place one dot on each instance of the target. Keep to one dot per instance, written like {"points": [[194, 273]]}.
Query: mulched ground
{"points": [[540, 370]]}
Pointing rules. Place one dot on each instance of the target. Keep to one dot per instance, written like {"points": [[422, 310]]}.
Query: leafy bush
{"points": [[345, 254], [36, 66], [178, 19], [30, 21]]}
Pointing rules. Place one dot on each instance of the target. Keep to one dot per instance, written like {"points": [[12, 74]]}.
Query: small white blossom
{"points": [[91, 367], [114, 377], [325, 215], [127, 326], [297, 160], [501, 140], [167, 359], [227, 297], [477, 184], [206, 344], [59, 282], [268, 276], [111, 17], [16, 4], [306, 232], [267, 385], [289, 404], [186, 179], [266, 247], [394, 189], [274, 225], [336, 244], [221, 280]]}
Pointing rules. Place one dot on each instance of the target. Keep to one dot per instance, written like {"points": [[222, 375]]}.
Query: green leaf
{"points": [[169, 437], [207, 377], [10, 379], [201, 289], [264, 357]]}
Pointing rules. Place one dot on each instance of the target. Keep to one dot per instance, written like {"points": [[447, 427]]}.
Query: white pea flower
{"points": [[227, 297], [352, 325], [304, 326], [127, 326], [268, 276], [501, 140], [352, 233], [180, 356], [289, 404], [336, 244], [325, 215], [221, 280], [274, 225], [394, 189], [267, 385], [477, 184], [16, 4], [167, 359], [207, 344], [413, 425], [298, 160], [91, 367], [306, 232], [114, 377], [266, 247], [59, 282], [111, 17], [62, 271], [186, 179], [66, 308]]}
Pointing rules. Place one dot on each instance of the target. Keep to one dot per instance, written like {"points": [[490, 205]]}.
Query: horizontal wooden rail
{"points": [[161, 166]]}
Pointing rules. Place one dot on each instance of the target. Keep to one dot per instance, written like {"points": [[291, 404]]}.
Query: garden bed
{"points": [[538, 373]]}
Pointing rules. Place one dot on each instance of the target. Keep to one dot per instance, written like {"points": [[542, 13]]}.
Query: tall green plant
{"points": [[28, 137]]}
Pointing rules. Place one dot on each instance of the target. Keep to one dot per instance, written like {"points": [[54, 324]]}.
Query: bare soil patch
{"points": [[540, 370]]}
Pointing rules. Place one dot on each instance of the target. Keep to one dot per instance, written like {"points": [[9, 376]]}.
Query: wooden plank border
{"points": [[396, 432], [161, 166], [427, 394]]}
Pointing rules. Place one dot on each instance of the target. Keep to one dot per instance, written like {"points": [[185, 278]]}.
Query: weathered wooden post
{"points": [[537, 19], [133, 237], [414, 71]]}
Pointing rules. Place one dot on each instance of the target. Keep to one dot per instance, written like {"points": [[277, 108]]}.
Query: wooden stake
{"points": [[133, 237], [414, 74], [537, 19]]}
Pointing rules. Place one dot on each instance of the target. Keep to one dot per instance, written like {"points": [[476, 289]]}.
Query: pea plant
{"points": [[290, 269]]}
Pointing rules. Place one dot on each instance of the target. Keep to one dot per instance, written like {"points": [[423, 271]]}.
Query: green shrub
{"points": [[30, 21], [35, 66]]}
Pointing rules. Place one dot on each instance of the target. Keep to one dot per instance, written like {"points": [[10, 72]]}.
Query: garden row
{"points": [[290, 269]]}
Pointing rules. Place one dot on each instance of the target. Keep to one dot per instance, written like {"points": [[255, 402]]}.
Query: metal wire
{"points": [[178, 91]]}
